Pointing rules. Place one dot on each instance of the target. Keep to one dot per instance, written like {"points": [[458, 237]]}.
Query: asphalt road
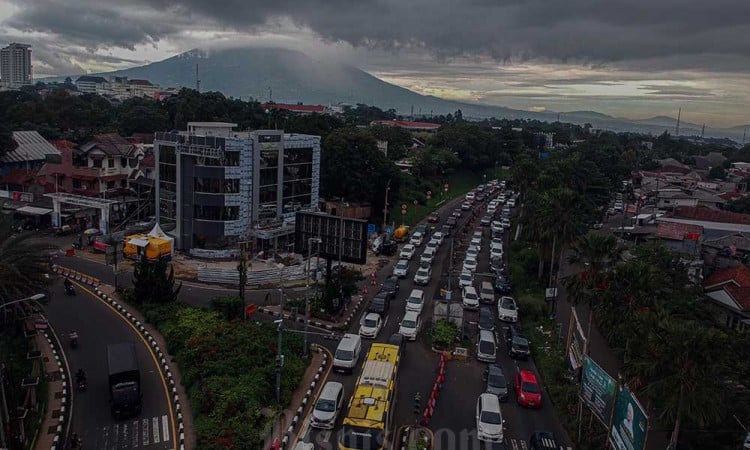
{"points": [[97, 325]]}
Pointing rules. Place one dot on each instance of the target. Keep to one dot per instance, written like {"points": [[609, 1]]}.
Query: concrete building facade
{"points": [[15, 65], [216, 186]]}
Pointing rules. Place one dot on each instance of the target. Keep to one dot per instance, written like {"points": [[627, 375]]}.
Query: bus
{"points": [[371, 407]]}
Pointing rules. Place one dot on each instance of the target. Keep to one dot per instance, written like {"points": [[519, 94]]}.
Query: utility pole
{"points": [[385, 207], [197, 79], [317, 240], [677, 127], [279, 356]]}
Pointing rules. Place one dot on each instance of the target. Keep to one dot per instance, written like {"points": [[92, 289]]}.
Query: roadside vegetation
{"points": [[228, 365]]}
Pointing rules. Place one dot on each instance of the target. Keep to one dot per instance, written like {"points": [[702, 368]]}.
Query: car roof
{"points": [[411, 314], [486, 334], [470, 288], [527, 376], [496, 369], [396, 339], [372, 315], [408, 246], [416, 292], [489, 402]]}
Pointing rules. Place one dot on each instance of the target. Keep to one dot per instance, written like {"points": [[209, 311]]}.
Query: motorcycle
{"points": [[81, 384], [73, 339], [70, 290]]}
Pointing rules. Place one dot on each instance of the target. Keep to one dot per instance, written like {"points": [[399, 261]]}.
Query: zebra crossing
{"points": [[143, 432], [517, 444]]}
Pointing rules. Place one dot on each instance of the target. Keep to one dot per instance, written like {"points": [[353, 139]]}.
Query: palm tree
{"points": [[560, 214], [676, 363], [23, 262]]}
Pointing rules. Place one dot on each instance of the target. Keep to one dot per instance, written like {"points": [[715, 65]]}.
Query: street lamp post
{"points": [[279, 356], [310, 241]]}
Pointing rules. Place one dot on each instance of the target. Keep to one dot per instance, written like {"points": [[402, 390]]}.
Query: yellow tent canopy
{"points": [[156, 245]]}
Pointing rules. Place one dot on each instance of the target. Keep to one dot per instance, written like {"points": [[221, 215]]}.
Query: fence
{"points": [[254, 278]]}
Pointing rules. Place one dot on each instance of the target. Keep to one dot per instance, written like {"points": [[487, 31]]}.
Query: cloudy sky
{"points": [[628, 58]]}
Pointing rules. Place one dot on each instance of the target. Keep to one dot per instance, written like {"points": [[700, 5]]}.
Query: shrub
{"points": [[444, 333]]}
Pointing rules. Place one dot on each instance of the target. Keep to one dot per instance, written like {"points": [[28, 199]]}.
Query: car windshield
{"points": [[344, 355], [466, 277], [497, 380], [326, 405], [471, 295], [486, 347], [509, 304], [414, 300], [408, 323], [520, 342], [491, 417], [422, 272], [371, 323], [402, 265], [531, 388], [470, 262]]}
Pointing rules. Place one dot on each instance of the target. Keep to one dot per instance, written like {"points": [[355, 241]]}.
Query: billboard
{"points": [[340, 237], [629, 423], [597, 390], [576, 341]]}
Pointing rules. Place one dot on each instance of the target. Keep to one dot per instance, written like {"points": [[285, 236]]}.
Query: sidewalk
{"points": [[52, 427]]}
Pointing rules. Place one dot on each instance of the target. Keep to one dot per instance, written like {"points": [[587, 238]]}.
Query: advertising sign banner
{"points": [[629, 423], [597, 390], [576, 342]]}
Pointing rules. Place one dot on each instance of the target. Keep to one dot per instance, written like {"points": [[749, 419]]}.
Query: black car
{"points": [[486, 319], [480, 197], [457, 213], [398, 340], [502, 284], [446, 230], [497, 264], [388, 248], [496, 382], [391, 284], [381, 302], [544, 440], [485, 221], [451, 221], [518, 344]]}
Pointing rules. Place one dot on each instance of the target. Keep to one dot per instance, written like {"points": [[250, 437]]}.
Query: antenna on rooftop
{"points": [[197, 79], [677, 127]]}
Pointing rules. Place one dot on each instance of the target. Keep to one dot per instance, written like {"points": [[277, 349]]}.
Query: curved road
{"points": [[98, 325]]}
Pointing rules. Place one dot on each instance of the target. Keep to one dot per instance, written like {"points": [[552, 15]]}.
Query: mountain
{"points": [[289, 76]]}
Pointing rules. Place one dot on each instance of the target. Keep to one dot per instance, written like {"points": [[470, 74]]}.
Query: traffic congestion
{"points": [[385, 363]]}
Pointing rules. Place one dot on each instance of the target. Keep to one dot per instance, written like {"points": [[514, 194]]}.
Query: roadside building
{"points": [[216, 186], [729, 290]]}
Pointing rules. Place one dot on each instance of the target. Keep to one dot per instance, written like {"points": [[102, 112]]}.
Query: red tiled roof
{"points": [[711, 215], [408, 124], [148, 161], [18, 176], [295, 108], [676, 231], [736, 281]]}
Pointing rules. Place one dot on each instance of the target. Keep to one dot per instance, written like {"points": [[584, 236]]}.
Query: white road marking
{"points": [[326, 435], [116, 437], [135, 434], [155, 428], [305, 429], [144, 429], [165, 428], [124, 435]]}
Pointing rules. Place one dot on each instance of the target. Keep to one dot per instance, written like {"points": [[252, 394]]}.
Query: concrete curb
{"points": [[58, 441], [318, 323], [299, 414], [164, 365]]}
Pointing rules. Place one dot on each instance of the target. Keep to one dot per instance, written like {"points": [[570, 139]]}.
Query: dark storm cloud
{"points": [[572, 31]]}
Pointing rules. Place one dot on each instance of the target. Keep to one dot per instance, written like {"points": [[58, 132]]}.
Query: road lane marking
{"points": [[116, 437], [155, 429], [302, 437], [165, 428], [144, 428], [135, 434], [153, 357], [125, 438]]}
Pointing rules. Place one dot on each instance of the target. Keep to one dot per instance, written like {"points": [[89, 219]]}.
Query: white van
{"points": [[327, 408], [486, 346], [487, 293], [415, 302], [347, 353]]}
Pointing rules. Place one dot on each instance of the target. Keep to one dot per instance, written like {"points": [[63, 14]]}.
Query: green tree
{"points": [[142, 115], [399, 140], [152, 282], [23, 262], [717, 172], [435, 162], [354, 169]]}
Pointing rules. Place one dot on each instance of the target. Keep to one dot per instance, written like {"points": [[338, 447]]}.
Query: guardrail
{"points": [[232, 277]]}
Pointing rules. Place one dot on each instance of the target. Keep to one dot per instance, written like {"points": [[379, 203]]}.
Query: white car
{"points": [[472, 252], [422, 277], [496, 252], [415, 302], [432, 245], [469, 298], [401, 268], [491, 210], [465, 279], [410, 325], [506, 223], [407, 252], [507, 310], [470, 264], [465, 206], [496, 226], [438, 236], [476, 242], [427, 256], [370, 325], [512, 202], [416, 239], [497, 240], [490, 421]]}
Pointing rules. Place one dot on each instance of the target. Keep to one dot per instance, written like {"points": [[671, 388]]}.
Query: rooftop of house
{"points": [[110, 144], [740, 241], [31, 146], [90, 79], [678, 231], [408, 124], [295, 107], [710, 215], [735, 281]]}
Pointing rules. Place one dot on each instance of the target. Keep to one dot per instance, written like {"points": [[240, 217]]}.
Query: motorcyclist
{"points": [[73, 336], [80, 375], [68, 284]]}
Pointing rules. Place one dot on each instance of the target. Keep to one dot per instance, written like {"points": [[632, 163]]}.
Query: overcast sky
{"points": [[628, 58]]}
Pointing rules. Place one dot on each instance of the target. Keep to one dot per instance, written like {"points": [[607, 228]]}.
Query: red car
{"points": [[528, 391], [434, 217]]}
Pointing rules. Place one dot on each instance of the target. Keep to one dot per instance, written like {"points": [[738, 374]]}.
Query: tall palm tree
{"points": [[560, 213], [676, 363], [23, 262]]}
